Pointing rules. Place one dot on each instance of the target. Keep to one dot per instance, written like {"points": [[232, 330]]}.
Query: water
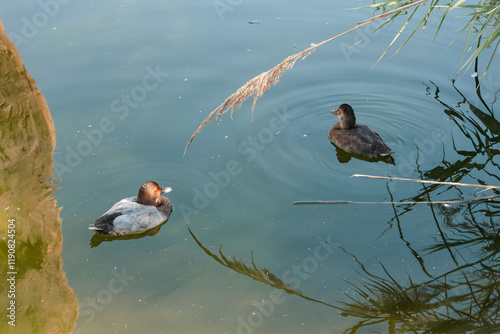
{"points": [[127, 85]]}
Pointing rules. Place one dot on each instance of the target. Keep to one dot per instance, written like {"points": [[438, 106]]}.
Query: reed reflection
{"points": [[464, 297], [256, 273]]}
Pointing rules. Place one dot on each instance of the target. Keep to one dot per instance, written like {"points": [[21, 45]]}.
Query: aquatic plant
{"points": [[483, 30], [259, 84]]}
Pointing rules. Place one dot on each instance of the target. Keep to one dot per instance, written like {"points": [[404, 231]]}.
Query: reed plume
{"points": [[258, 85]]}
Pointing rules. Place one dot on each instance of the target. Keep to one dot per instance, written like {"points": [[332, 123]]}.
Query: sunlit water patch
{"points": [[236, 186]]}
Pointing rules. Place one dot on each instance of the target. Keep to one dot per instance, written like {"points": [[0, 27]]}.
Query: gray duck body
{"points": [[136, 214]]}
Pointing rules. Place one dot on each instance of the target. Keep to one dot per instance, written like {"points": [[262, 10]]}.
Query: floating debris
{"points": [[254, 22]]}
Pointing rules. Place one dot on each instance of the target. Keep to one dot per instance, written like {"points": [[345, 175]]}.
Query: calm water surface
{"points": [[127, 83]]}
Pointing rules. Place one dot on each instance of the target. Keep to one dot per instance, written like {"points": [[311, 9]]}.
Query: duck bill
{"points": [[166, 190], [335, 112]]}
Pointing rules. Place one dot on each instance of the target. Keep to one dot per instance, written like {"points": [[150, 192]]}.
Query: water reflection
{"points": [[344, 157], [38, 299], [97, 238], [464, 297], [262, 275]]}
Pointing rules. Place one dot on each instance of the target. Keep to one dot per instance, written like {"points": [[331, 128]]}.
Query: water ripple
{"points": [[302, 155]]}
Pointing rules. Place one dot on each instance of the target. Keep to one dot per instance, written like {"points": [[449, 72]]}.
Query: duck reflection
{"points": [[98, 238], [344, 157]]}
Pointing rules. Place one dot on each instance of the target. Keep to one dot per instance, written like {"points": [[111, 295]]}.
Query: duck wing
{"points": [[139, 220], [128, 216], [104, 224], [360, 140]]}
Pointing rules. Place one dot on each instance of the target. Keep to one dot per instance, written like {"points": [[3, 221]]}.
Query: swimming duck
{"points": [[356, 138], [136, 214]]}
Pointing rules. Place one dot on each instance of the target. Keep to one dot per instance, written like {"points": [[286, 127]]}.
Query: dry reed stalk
{"points": [[426, 181], [486, 198], [258, 85]]}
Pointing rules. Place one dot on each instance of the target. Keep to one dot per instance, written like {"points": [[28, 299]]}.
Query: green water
{"points": [[127, 84]]}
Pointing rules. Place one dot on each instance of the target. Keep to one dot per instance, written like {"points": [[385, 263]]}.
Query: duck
{"points": [[356, 138], [136, 214]]}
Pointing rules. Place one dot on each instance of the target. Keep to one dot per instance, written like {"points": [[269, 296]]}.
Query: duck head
{"points": [[149, 193], [346, 116]]}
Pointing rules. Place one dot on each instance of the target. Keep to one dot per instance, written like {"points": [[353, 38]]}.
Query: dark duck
{"points": [[136, 214], [356, 138]]}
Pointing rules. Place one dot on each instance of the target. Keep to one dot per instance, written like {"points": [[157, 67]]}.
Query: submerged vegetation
{"points": [[482, 31]]}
